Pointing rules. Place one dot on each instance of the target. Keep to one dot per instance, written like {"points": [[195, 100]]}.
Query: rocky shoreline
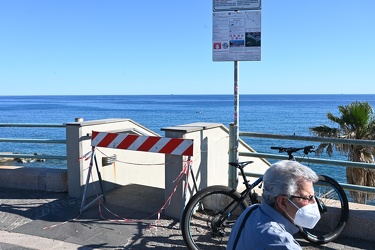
{"points": [[19, 159]]}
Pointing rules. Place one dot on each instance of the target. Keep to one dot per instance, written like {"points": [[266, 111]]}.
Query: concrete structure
{"points": [[127, 168], [209, 162], [34, 178]]}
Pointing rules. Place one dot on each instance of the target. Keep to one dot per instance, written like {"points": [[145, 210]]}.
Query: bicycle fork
{"points": [[322, 207]]}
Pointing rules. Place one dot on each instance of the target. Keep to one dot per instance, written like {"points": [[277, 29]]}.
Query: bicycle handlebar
{"points": [[290, 150]]}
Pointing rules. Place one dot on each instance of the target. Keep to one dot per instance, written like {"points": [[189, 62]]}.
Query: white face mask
{"points": [[306, 216]]}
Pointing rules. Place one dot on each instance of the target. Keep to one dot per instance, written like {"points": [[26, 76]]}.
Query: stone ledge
{"points": [[46, 179], [361, 222]]}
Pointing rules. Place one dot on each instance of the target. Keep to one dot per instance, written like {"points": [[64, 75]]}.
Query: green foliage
{"points": [[356, 121]]}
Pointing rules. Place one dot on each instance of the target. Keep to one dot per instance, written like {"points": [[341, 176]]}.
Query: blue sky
{"points": [[88, 47]]}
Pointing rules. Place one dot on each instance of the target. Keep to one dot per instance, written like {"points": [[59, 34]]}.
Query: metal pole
{"points": [[232, 157], [233, 180], [236, 96]]}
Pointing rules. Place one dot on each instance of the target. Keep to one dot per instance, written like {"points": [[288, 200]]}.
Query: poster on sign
{"points": [[236, 36], [223, 5]]}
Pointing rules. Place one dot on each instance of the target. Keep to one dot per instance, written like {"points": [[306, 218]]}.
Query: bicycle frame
{"points": [[249, 187], [243, 194]]}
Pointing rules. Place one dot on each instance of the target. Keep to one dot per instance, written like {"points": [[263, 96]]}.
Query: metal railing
{"points": [[346, 186], [241, 134], [36, 141]]}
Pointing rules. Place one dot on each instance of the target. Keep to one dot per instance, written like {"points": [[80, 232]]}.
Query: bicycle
{"points": [[209, 215]]}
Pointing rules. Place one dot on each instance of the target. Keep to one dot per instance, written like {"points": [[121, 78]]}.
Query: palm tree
{"points": [[356, 121]]}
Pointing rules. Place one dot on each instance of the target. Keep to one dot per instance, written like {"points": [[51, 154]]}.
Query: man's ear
{"points": [[280, 202]]}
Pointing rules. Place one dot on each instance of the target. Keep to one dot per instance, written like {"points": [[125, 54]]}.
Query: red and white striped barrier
{"points": [[155, 144]]}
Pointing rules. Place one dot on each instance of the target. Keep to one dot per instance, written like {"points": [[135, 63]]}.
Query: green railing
{"points": [[346, 186], [26, 140]]}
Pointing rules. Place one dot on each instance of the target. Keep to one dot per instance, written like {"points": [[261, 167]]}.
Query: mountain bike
{"points": [[210, 214]]}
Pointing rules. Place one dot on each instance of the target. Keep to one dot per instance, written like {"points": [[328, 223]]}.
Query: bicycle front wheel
{"points": [[334, 211], [209, 216]]}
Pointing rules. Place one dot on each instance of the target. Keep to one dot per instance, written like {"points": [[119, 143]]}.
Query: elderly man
{"points": [[288, 200]]}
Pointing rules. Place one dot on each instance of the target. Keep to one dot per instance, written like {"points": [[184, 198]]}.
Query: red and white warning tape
{"points": [[155, 144]]}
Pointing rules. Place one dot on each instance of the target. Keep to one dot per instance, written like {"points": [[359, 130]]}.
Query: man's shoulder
{"points": [[273, 234], [256, 229]]}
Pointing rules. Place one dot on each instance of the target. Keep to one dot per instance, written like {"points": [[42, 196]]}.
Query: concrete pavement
{"points": [[128, 219]]}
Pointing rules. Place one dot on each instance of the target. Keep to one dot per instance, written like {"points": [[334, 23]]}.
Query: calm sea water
{"points": [[276, 114]]}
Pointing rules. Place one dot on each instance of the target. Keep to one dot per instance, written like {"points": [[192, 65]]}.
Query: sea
{"points": [[273, 114]]}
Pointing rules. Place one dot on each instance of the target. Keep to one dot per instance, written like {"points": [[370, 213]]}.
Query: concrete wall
{"points": [[130, 167], [34, 178], [361, 222]]}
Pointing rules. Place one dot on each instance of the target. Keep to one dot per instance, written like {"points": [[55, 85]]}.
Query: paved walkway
{"points": [[45, 220]]}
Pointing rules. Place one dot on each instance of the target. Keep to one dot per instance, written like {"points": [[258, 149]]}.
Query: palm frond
{"points": [[325, 131]]}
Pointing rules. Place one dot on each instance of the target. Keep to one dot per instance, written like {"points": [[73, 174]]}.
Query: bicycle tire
{"points": [[334, 213], [203, 210]]}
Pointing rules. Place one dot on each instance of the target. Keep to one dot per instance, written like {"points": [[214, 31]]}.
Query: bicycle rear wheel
{"points": [[200, 222], [334, 211]]}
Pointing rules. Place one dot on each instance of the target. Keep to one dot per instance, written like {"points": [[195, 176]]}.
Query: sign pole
{"points": [[236, 36], [233, 180]]}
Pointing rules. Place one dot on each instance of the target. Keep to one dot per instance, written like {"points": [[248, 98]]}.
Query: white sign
{"points": [[236, 36], [226, 5]]}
